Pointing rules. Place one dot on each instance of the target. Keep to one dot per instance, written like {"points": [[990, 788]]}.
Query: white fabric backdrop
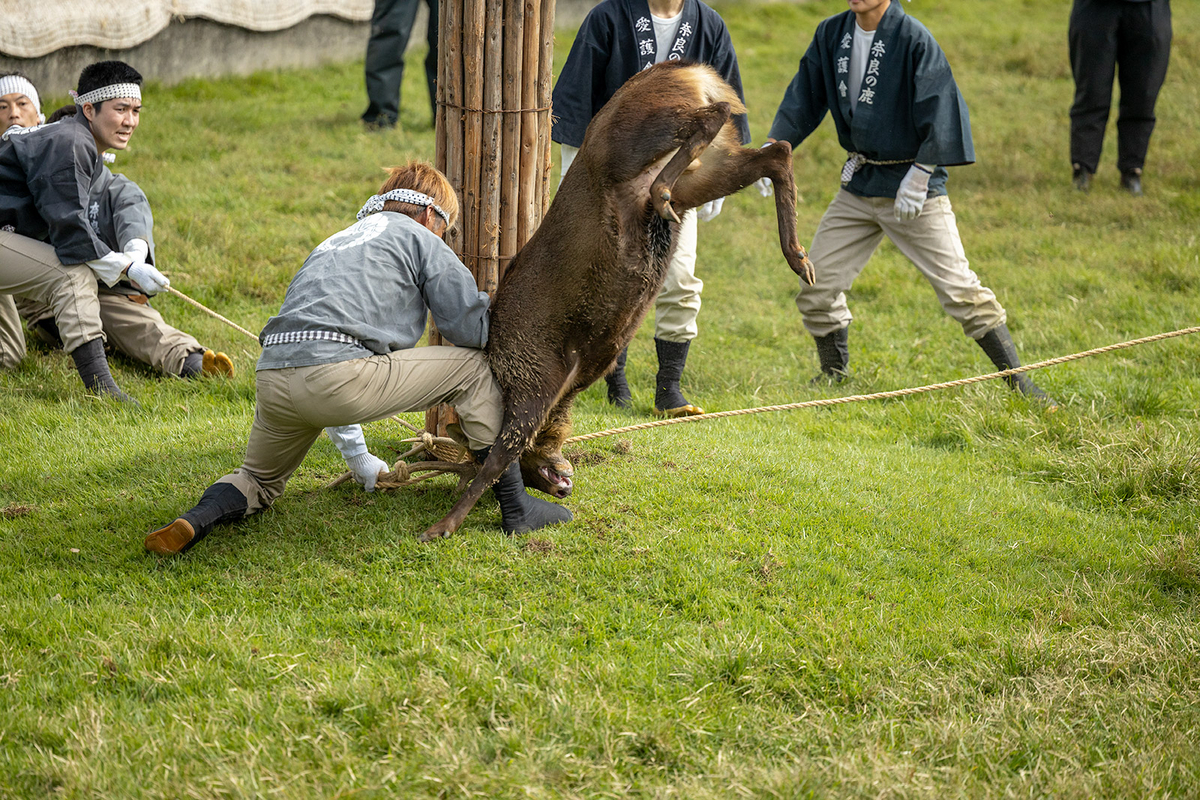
{"points": [[32, 28]]}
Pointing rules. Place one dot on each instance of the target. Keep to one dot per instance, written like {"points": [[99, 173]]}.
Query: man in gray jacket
{"points": [[341, 351]]}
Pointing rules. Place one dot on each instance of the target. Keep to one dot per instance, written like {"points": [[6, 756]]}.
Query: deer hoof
{"points": [[433, 534]]}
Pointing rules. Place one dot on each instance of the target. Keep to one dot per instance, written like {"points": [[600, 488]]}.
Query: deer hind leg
{"points": [[543, 465], [726, 170], [523, 417], [696, 131]]}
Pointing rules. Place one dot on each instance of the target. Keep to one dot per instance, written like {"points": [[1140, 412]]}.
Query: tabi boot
{"points": [[1131, 181], [618, 388], [668, 397], [520, 513], [92, 365], [1081, 178], [220, 503], [998, 345], [833, 351]]}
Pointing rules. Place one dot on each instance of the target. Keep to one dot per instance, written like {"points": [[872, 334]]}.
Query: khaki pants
{"points": [[848, 234], [134, 328], [294, 405], [30, 269], [678, 304], [12, 334]]}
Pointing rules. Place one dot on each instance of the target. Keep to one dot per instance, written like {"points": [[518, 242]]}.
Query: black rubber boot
{"points": [[668, 397], [833, 350], [193, 365], [220, 503], [93, 369], [618, 388], [998, 345], [520, 513]]}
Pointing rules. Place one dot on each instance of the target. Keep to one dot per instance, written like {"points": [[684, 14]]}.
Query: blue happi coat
{"points": [[615, 42], [909, 107]]}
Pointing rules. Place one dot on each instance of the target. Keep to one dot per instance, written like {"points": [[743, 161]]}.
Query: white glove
{"points": [[366, 469], [910, 197], [148, 279], [568, 156], [764, 185], [710, 209]]}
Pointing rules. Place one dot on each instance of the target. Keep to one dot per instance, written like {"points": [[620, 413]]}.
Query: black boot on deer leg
{"points": [[220, 503], [668, 397], [833, 350], [93, 369], [998, 345], [618, 387], [520, 513]]}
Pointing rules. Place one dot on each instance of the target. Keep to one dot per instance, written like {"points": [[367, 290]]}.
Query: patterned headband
{"points": [[108, 93], [376, 202]]}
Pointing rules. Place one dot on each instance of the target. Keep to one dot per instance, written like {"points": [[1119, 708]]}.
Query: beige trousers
{"points": [[294, 405], [135, 328], [848, 234], [678, 303], [12, 334], [30, 269]]}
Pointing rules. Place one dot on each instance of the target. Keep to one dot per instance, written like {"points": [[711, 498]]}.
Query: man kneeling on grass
{"points": [[119, 215], [341, 352]]}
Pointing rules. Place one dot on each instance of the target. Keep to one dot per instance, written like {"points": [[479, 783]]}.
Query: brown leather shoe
{"points": [[217, 364], [170, 539]]}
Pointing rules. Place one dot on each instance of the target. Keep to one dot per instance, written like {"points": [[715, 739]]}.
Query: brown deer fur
{"points": [[576, 293]]}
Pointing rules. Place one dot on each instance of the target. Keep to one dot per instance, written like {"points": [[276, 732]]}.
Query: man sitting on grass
{"points": [[48, 250], [342, 351], [119, 214]]}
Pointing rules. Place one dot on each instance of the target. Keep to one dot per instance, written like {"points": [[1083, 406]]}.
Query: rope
{"points": [[833, 401], [209, 311]]}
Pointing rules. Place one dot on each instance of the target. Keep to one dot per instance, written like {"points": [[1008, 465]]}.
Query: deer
{"points": [[575, 294]]}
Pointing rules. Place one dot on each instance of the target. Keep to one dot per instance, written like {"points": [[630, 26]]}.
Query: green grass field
{"points": [[954, 595]]}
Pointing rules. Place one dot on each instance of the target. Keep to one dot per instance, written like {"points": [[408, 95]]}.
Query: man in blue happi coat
{"points": [[902, 121], [618, 39]]}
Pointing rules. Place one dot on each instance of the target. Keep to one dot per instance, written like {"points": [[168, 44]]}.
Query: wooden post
{"points": [[493, 133]]}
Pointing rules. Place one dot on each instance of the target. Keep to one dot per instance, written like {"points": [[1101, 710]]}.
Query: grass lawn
{"points": [[951, 595]]}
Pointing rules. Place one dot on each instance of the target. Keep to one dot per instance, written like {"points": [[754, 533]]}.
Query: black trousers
{"points": [[391, 25], [1132, 39]]}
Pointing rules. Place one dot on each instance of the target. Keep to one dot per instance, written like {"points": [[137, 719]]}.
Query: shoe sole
{"points": [[171, 539], [683, 411]]}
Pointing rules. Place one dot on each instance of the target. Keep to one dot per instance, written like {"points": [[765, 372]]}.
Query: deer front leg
{"points": [[728, 168], [695, 134]]}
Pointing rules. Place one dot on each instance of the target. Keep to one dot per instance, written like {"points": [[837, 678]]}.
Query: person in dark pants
{"points": [[1133, 39], [391, 25]]}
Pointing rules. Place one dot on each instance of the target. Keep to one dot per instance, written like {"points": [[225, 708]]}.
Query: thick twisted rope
{"points": [[210, 312], [858, 398]]}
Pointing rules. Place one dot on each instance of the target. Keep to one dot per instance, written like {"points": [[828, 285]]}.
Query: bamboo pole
{"points": [[510, 158], [545, 78], [474, 18], [488, 276], [528, 215]]}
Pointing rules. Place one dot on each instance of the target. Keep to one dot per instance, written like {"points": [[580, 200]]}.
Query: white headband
{"points": [[15, 84], [376, 202], [108, 93]]}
